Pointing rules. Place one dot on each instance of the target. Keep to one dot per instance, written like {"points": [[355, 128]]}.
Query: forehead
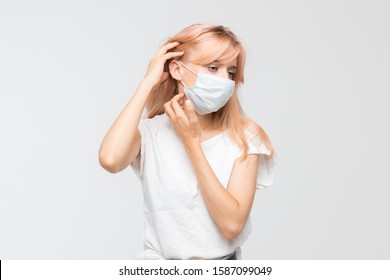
{"points": [[214, 51]]}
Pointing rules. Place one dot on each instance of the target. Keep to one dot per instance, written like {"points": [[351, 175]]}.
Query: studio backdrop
{"points": [[316, 79]]}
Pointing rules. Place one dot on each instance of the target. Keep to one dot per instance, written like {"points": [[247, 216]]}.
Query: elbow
{"points": [[232, 230], [108, 164]]}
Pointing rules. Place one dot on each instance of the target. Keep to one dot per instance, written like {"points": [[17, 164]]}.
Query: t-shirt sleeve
{"points": [[266, 163]]}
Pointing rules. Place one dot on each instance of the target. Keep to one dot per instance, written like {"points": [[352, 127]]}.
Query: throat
{"points": [[208, 134], [206, 122]]}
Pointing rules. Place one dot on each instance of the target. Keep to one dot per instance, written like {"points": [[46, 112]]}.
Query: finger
{"points": [[170, 45], [179, 98], [167, 46], [172, 54], [176, 107], [179, 95], [168, 109], [190, 112]]}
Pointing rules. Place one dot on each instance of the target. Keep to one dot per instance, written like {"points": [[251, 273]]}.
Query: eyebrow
{"points": [[218, 62]]}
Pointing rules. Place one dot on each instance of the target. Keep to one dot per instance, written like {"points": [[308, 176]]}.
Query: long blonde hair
{"points": [[227, 47]]}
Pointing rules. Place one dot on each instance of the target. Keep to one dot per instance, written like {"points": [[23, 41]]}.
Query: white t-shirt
{"points": [[177, 223]]}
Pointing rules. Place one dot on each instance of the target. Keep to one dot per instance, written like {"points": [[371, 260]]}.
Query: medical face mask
{"points": [[209, 93]]}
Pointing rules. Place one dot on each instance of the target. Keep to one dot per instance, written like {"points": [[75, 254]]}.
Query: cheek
{"points": [[190, 80]]}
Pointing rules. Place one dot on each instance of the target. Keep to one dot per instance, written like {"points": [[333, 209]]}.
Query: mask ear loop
{"points": [[188, 69]]}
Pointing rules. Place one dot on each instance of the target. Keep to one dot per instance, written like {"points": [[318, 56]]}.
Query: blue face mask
{"points": [[209, 93]]}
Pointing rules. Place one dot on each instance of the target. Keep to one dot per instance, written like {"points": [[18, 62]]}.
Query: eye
{"points": [[231, 75], [213, 68]]}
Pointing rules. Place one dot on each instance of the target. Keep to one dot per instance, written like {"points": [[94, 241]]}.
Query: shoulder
{"points": [[153, 119], [260, 144], [253, 131], [250, 124], [256, 137], [152, 124]]}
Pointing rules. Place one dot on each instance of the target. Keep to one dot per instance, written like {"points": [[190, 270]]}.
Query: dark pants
{"points": [[231, 256]]}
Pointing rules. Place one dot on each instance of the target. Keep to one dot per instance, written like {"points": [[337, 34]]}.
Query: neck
{"points": [[206, 122]]}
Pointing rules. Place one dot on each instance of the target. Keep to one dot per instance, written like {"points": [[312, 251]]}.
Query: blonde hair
{"points": [[226, 48]]}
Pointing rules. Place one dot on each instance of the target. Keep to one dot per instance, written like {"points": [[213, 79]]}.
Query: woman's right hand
{"points": [[155, 72]]}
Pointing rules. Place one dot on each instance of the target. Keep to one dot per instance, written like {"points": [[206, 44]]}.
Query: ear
{"points": [[174, 70]]}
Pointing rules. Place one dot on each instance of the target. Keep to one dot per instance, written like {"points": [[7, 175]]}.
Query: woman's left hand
{"points": [[184, 119]]}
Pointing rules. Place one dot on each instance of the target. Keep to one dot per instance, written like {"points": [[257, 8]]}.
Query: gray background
{"points": [[317, 80]]}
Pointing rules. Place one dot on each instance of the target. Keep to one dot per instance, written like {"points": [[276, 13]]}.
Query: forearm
{"points": [[222, 206], [117, 143]]}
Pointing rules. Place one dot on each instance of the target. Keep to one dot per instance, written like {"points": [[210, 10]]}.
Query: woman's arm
{"points": [[229, 207], [122, 142]]}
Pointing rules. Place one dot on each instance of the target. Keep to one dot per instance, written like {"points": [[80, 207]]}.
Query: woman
{"points": [[199, 158]]}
